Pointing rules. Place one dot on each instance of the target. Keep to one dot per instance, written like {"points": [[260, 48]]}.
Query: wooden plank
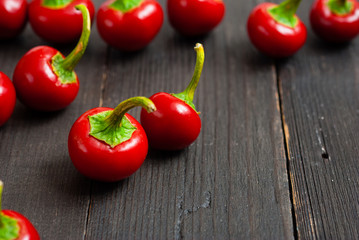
{"points": [[232, 182], [40, 180], [319, 93]]}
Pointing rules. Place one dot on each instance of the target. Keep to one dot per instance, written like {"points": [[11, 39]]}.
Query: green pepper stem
{"points": [[118, 113], [125, 5], [55, 3], [289, 6], [1, 188], [340, 7], [339, 2], [191, 88], [284, 13], [74, 57]]}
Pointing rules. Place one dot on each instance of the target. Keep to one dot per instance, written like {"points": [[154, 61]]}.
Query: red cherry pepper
{"points": [[275, 30], [335, 20], [108, 144], [44, 80], [195, 17], [57, 20], [129, 25], [14, 226], [12, 17], [175, 124], [7, 98]]}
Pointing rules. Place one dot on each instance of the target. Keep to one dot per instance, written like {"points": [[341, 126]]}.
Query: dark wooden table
{"points": [[277, 157]]}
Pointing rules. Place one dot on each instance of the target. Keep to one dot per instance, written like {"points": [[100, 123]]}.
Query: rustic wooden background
{"points": [[277, 157]]}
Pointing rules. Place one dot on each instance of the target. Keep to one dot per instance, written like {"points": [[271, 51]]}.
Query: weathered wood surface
{"points": [[263, 123], [320, 102]]}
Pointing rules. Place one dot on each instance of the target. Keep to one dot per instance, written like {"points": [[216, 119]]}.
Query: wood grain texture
{"points": [[40, 180], [319, 92], [231, 183]]}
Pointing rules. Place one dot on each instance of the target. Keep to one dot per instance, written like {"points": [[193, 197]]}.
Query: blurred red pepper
{"points": [[195, 17], [129, 25], [275, 30], [335, 20], [7, 98], [58, 21], [13, 17]]}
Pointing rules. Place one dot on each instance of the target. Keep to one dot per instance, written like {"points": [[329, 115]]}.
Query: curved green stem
{"points": [[117, 114], [112, 126], [191, 88], [74, 57], [188, 94], [285, 12]]}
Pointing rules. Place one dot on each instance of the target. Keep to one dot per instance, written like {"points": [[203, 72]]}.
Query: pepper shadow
{"points": [[58, 173], [34, 117], [158, 157], [321, 46], [10, 43], [100, 189]]}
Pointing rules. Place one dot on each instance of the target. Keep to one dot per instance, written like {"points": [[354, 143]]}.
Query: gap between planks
{"points": [[102, 96], [285, 131]]}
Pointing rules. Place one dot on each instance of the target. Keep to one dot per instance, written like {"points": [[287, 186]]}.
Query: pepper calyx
{"points": [[65, 76], [184, 98], [125, 5], [113, 127], [9, 227], [113, 135], [56, 4], [284, 13], [340, 7]]}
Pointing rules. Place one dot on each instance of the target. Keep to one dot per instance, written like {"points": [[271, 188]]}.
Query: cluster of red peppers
{"points": [[104, 144], [128, 25], [277, 31], [109, 144]]}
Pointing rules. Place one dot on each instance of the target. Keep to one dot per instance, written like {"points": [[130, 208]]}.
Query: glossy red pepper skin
{"points": [[175, 124], [132, 30], [97, 160], [13, 17], [36, 84], [7, 98], [27, 230], [271, 37], [332, 27], [195, 17], [58, 25]]}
